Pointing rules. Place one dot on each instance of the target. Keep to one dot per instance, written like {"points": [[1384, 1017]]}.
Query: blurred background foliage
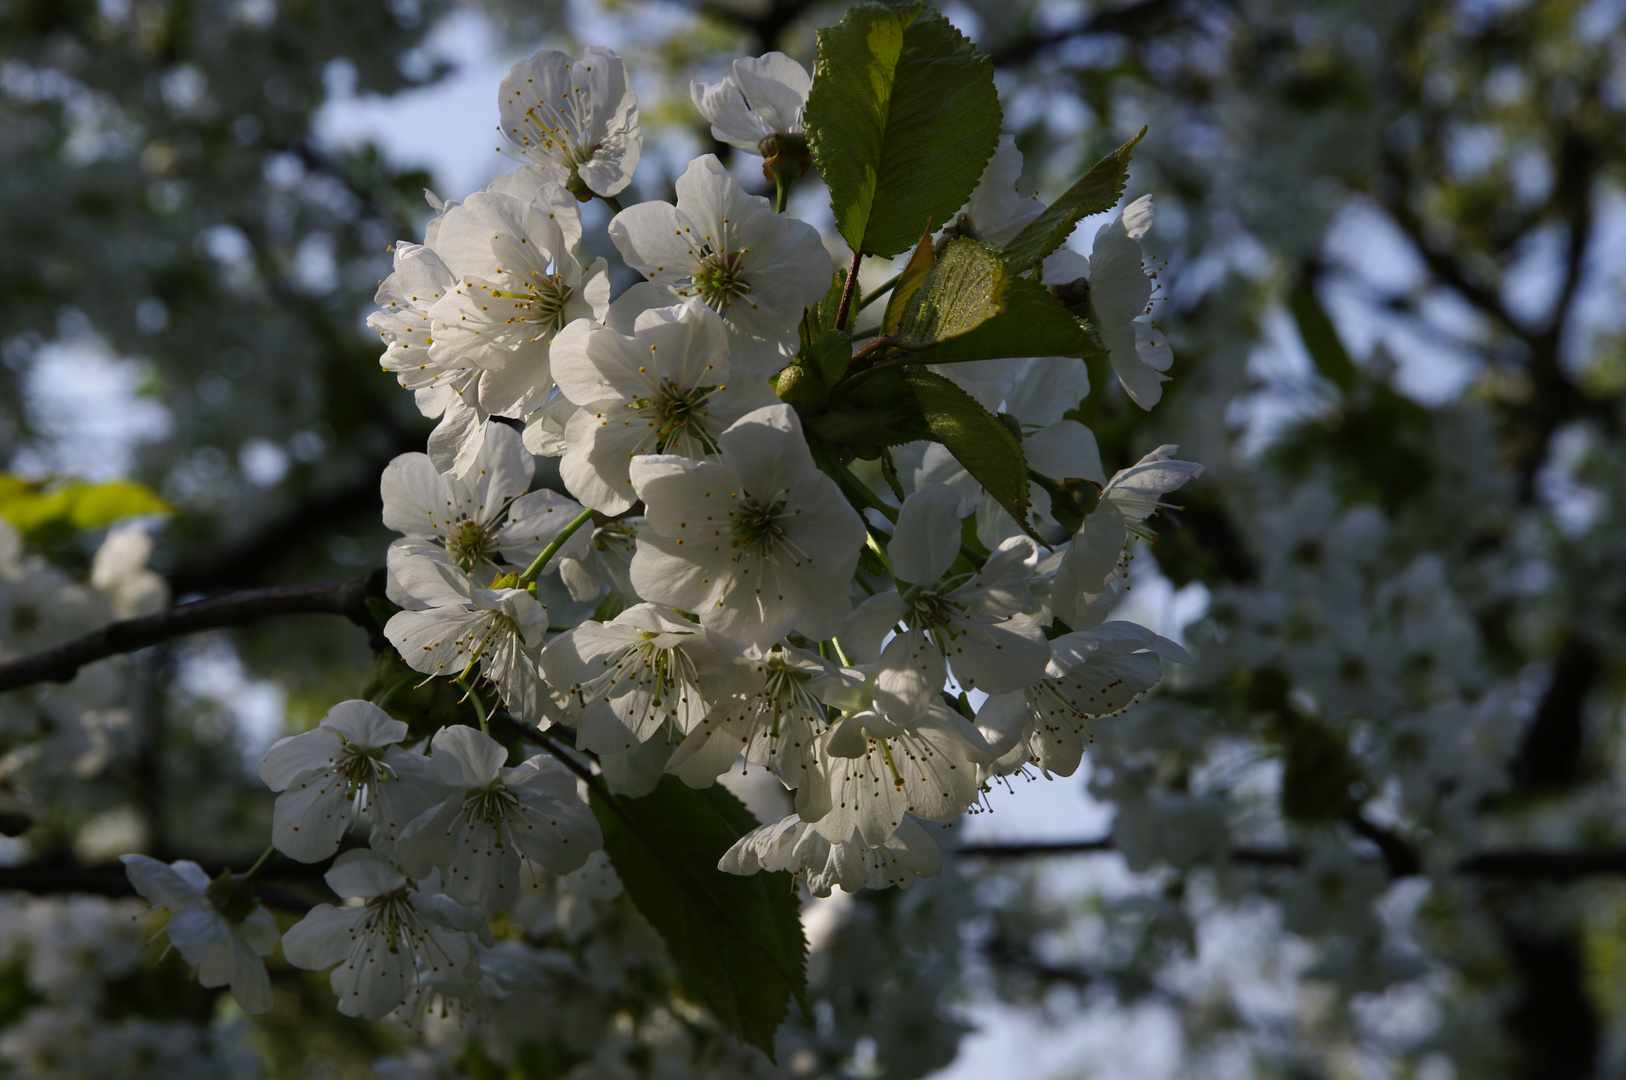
{"points": [[1392, 242]]}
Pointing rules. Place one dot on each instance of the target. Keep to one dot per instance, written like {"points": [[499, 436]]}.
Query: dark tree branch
{"points": [[50, 878], [62, 663], [1517, 864]]}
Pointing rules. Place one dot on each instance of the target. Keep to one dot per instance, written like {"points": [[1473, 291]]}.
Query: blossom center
{"points": [[542, 303], [933, 609], [361, 768], [719, 277], [756, 527], [677, 412], [491, 805], [469, 542]]}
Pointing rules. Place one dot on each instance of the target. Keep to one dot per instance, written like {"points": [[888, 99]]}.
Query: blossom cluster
{"points": [[754, 603]]}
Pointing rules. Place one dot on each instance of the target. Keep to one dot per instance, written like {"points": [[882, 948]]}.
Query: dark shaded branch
{"points": [[1398, 855], [51, 878], [62, 663], [1550, 757], [1522, 864]]}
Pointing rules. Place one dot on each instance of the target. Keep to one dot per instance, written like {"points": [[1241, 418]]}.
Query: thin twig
{"points": [[847, 292], [1514, 863], [62, 663]]}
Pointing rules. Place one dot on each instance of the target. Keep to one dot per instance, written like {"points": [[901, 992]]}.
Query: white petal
{"points": [[927, 540]]}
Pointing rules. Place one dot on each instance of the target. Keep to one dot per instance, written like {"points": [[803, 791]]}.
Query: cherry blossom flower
{"points": [[349, 765], [518, 281], [757, 543], [665, 389], [764, 98], [794, 845], [575, 120], [995, 212], [755, 268], [1091, 674], [775, 724], [976, 622], [494, 819], [629, 677], [218, 929], [399, 929], [875, 772], [1119, 293], [452, 624], [487, 515]]}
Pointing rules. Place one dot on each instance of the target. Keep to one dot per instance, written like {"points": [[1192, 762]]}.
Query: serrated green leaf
{"points": [[737, 942], [31, 506], [1033, 323], [909, 282], [964, 288], [1095, 192], [1321, 338], [990, 453], [901, 120]]}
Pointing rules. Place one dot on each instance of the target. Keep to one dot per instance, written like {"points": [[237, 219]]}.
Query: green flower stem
{"points": [[259, 864], [480, 712], [612, 202], [384, 698], [879, 291], [781, 195], [858, 487], [534, 571]]}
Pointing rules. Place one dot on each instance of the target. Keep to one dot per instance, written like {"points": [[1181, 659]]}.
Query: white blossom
{"points": [[765, 96], [757, 543], [995, 212], [1091, 674], [975, 621], [454, 624], [518, 281], [631, 676], [493, 819], [119, 572], [225, 950], [875, 772], [574, 119], [774, 724], [487, 515], [794, 845], [349, 765], [1119, 293], [664, 389], [381, 944], [755, 268]]}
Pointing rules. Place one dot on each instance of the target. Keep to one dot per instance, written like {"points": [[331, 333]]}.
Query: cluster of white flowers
{"points": [[883, 658]]}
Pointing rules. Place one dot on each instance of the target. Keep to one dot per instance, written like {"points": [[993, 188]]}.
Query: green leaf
{"points": [[1096, 191], [1321, 338], [964, 288], [737, 942], [822, 315], [909, 282], [1033, 323], [31, 507], [987, 448], [830, 354], [902, 118], [870, 414]]}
